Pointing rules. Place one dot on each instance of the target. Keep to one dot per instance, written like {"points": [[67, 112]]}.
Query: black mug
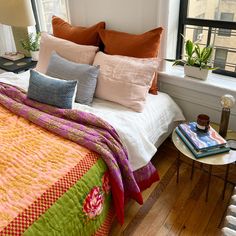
{"points": [[203, 122]]}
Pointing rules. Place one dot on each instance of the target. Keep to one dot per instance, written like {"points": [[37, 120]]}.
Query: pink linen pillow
{"points": [[71, 51], [125, 80]]}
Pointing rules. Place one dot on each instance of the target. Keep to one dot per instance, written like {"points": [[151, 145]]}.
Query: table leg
{"points": [[177, 167], [208, 182], [192, 172], [226, 180]]}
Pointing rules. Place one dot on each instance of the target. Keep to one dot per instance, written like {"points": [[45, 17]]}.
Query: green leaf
{"points": [[189, 48], [207, 55], [31, 43], [170, 60], [179, 62], [198, 50]]}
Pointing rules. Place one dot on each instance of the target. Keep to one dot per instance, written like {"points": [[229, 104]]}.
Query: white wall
{"points": [[134, 16]]}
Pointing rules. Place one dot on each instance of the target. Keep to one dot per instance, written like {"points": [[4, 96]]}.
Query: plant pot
{"points": [[34, 55], [195, 72]]}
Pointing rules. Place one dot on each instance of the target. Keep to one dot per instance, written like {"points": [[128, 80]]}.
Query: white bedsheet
{"points": [[139, 132]]}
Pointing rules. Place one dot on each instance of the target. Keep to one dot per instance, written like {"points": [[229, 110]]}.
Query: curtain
{"points": [[7, 43], [47, 8]]}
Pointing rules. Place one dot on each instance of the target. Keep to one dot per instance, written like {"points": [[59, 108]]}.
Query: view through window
{"points": [[47, 8], [211, 23]]}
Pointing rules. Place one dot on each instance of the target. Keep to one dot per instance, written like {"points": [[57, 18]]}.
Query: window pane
{"points": [[220, 58], [196, 33], [47, 8], [225, 50], [212, 9]]}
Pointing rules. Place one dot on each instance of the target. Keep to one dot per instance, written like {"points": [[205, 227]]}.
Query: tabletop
{"points": [[218, 159]]}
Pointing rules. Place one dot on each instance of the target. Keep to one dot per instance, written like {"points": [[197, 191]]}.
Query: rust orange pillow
{"points": [[120, 43], [77, 34], [144, 45]]}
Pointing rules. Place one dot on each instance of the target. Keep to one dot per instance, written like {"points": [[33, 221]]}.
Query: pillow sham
{"points": [[86, 76], [69, 50], [51, 91], [144, 45], [77, 34], [124, 80]]}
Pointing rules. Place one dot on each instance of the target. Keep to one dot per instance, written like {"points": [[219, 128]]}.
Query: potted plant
{"points": [[197, 60], [31, 44]]}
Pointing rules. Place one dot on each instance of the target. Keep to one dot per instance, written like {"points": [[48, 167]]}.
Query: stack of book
{"points": [[200, 143]]}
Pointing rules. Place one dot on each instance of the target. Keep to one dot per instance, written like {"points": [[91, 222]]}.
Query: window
{"points": [[220, 58], [210, 23], [45, 9]]}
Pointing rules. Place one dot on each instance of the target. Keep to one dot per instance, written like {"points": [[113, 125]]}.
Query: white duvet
{"points": [[141, 133]]}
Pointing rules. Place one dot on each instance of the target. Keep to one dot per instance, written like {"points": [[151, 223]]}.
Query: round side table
{"points": [[218, 159]]}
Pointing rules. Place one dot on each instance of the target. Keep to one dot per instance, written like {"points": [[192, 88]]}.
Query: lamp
{"points": [[16, 13], [227, 102], [19, 15]]}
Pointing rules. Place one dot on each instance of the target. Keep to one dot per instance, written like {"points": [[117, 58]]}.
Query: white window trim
{"points": [[213, 84]]}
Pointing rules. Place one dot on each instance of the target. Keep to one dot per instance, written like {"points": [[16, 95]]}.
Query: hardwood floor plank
{"points": [[175, 219], [160, 210], [216, 220], [178, 209], [162, 163], [202, 212], [144, 210]]}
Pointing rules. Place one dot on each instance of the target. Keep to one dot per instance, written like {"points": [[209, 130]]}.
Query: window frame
{"points": [[34, 7], [184, 20]]}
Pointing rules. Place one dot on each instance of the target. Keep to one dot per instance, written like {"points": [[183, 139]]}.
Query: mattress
{"points": [[141, 133]]}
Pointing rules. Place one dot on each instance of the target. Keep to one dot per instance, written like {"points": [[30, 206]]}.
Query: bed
{"points": [[40, 195], [70, 171]]}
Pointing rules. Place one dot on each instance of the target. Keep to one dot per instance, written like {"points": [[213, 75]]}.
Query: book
{"points": [[199, 139], [13, 56], [201, 153]]}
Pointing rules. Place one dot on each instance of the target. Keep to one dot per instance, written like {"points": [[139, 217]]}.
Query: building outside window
{"points": [[220, 58], [226, 17], [210, 23]]}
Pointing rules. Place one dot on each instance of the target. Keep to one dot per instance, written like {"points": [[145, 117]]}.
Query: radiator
{"points": [[230, 219]]}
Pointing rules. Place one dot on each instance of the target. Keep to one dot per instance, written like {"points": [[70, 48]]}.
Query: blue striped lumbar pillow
{"points": [[52, 91]]}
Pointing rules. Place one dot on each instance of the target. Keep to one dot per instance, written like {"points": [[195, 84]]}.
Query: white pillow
{"points": [[71, 51], [125, 80]]}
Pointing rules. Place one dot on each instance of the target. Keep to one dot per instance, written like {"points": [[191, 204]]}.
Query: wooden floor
{"points": [[178, 209]]}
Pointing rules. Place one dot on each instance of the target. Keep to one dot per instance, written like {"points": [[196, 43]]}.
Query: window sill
{"points": [[215, 84], [196, 96]]}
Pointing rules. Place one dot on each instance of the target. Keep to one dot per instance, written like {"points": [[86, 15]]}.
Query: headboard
{"points": [[133, 16]]}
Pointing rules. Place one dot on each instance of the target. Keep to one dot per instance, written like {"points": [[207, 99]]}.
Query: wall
{"points": [[134, 16]]}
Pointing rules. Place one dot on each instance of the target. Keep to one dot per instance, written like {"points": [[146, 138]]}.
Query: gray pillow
{"points": [[86, 75], [56, 92]]}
